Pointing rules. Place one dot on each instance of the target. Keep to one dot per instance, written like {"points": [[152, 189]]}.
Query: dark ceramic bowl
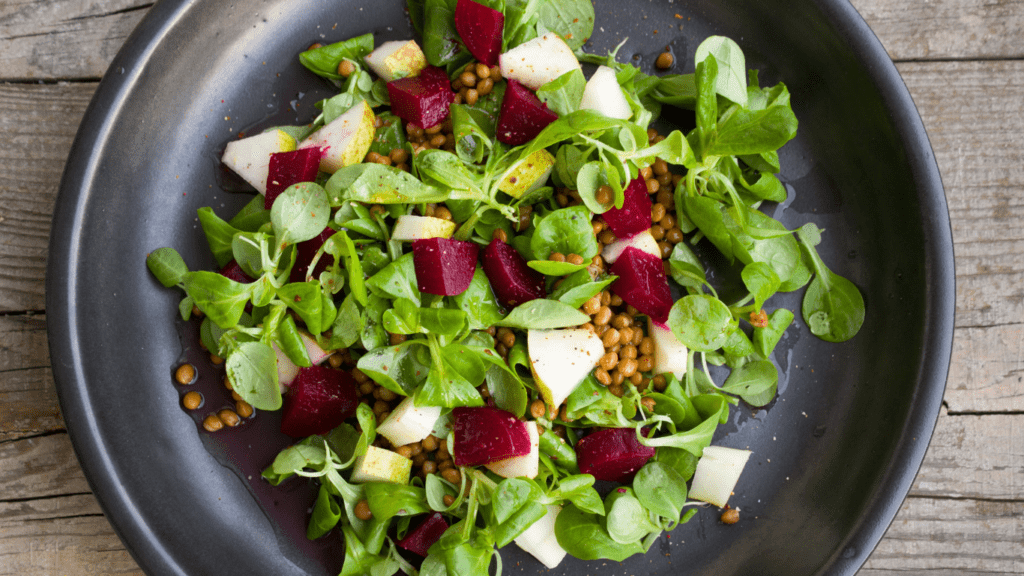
{"points": [[834, 456]]}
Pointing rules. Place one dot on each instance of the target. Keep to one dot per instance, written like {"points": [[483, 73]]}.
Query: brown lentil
{"points": [[674, 235], [603, 378], [666, 249], [448, 499], [606, 237], [335, 360], [192, 401], [651, 134], [730, 516], [399, 155], [621, 321], [363, 510], [616, 300], [212, 423], [235, 396], [625, 335], [468, 78], [660, 167], [653, 186], [604, 194], [557, 257], [617, 390], [647, 346], [657, 212], [429, 467], [597, 226], [429, 443], [485, 86], [185, 374], [665, 198], [645, 364], [603, 316], [659, 383], [636, 378], [396, 339], [628, 351], [575, 259], [664, 61], [404, 451], [638, 336], [606, 298], [668, 222], [657, 231], [442, 450], [442, 213], [243, 408], [524, 218], [419, 459], [507, 337], [617, 377], [228, 417], [665, 180], [609, 361], [380, 407], [610, 338], [366, 388], [443, 465], [500, 234], [385, 394], [648, 403], [452, 475], [359, 375]]}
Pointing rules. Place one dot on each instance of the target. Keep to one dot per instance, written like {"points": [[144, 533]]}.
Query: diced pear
{"points": [[346, 140], [250, 157], [380, 465], [603, 94], [642, 241], [718, 470], [670, 355], [409, 228], [409, 423], [561, 359], [539, 539], [536, 62], [528, 465], [531, 173], [397, 59]]}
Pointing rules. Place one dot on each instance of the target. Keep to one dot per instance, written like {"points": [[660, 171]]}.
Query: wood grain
{"points": [[64, 38], [946, 29]]}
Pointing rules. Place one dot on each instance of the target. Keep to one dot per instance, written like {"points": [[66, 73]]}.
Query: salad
{"points": [[471, 287]]}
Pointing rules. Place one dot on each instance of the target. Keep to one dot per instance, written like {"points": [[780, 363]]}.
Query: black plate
{"points": [[834, 456]]}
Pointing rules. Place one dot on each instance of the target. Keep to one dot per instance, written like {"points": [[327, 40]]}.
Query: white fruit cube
{"points": [[409, 228], [642, 241], [346, 140], [670, 355], [527, 465], [380, 465], [561, 359], [409, 423], [250, 157], [718, 470], [536, 62], [397, 59], [531, 173], [603, 94], [539, 539]]}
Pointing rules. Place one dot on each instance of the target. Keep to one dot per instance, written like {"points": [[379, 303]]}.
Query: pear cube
{"points": [[603, 94], [670, 355], [529, 174], [536, 62], [718, 471], [250, 156], [346, 140], [380, 465], [561, 359], [526, 466], [540, 540], [409, 423], [396, 59], [409, 228]]}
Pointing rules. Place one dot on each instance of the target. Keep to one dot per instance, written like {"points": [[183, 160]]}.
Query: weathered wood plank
{"points": [[986, 373], [943, 537], [40, 467], [23, 342], [64, 39], [28, 404], [37, 125], [945, 29], [65, 535], [974, 114]]}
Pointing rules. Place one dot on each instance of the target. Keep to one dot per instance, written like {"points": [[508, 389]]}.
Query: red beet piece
{"points": [[642, 283], [480, 28], [522, 115], [612, 454], [484, 434], [511, 279], [444, 266], [305, 253], [233, 271], [423, 536], [424, 99], [319, 399], [635, 215], [287, 168]]}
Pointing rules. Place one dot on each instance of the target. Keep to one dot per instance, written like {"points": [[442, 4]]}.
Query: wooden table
{"points": [[964, 64]]}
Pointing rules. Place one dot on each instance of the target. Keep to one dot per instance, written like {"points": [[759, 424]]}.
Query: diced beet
{"points": [[642, 283], [233, 271], [511, 279], [522, 115], [480, 28], [444, 266], [612, 454], [306, 251], [635, 215], [287, 168], [423, 536], [423, 100], [319, 399], [484, 434]]}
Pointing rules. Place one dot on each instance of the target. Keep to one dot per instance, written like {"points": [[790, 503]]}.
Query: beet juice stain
{"points": [[247, 449]]}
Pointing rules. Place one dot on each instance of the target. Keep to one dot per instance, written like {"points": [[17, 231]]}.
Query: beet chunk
{"points": [[444, 266], [423, 536], [635, 215], [612, 454], [480, 28], [642, 283], [423, 100], [232, 271], [522, 115], [318, 400], [306, 251], [287, 168], [485, 434], [511, 279]]}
